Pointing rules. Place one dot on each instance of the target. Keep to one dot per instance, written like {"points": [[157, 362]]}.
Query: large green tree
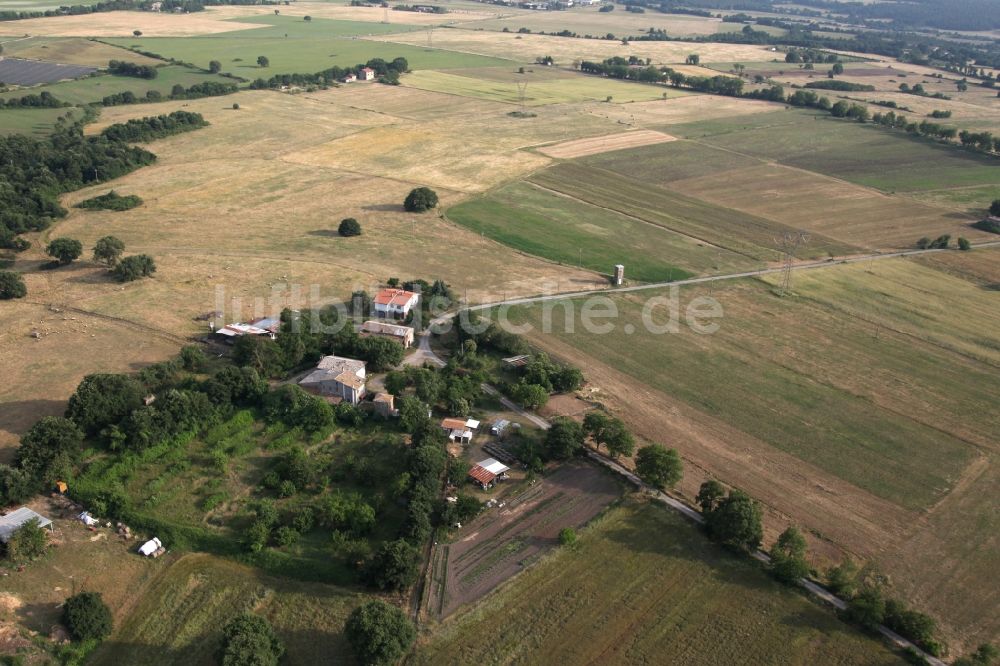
{"points": [[564, 439], [380, 353], [420, 199], [64, 250], [134, 267], [101, 400], [349, 227], [379, 633], [736, 522], [249, 640], [12, 286], [87, 616], [49, 449], [658, 466]]}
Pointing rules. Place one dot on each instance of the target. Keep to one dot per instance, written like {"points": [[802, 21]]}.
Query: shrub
{"points": [[28, 543], [379, 633], [991, 226], [567, 536], [964, 244], [995, 208], [349, 227], [87, 616], [111, 201], [12, 286], [420, 199]]}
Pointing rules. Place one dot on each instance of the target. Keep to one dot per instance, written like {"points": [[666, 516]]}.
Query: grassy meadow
{"points": [[179, 620], [639, 584], [541, 223], [293, 45]]}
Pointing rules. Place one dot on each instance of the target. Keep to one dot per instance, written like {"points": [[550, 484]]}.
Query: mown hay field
{"points": [[640, 584], [753, 237], [604, 144], [121, 24], [543, 223], [590, 21], [72, 51], [580, 88], [179, 619], [888, 160], [525, 48]]}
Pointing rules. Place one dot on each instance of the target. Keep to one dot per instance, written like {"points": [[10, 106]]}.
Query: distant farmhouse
{"points": [[401, 334], [395, 303], [337, 377], [366, 74]]}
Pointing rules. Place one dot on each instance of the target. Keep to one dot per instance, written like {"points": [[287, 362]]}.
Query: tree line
{"points": [[387, 71], [125, 68], [44, 100], [141, 130], [196, 91]]}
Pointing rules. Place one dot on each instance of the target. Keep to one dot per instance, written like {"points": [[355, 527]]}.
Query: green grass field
{"points": [[751, 236], [539, 222], [581, 88], [294, 46], [179, 620], [864, 154], [885, 381], [39, 122], [94, 88], [643, 586]]}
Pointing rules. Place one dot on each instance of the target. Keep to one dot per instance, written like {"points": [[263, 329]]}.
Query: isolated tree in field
{"points": [[567, 536], [788, 556], [693, 59], [995, 208], [658, 466], [420, 199], [49, 449], [393, 567], [262, 61], [307, 18], [12, 286], [349, 227], [28, 543], [87, 616], [249, 640], [134, 267], [964, 244], [137, 33], [214, 66], [109, 250], [379, 633], [837, 69], [736, 522], [564, 439], [64, 250]]}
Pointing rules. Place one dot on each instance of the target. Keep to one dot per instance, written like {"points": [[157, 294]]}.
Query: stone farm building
{"points": [[401, 334], [394, 303], [337, 377]]}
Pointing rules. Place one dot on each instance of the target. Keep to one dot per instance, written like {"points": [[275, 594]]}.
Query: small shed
{"points": [[499, 428], [15, 520], [488, 472]]}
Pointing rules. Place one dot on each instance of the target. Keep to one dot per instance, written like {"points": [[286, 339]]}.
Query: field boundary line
{"points": [[144, 328]]}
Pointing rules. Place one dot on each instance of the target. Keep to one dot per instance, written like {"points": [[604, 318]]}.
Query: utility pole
{"points": [[789, 244]]}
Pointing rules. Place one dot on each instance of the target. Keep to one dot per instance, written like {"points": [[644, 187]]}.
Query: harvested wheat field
{"points": [[605, 144], [679, 110], [72, 51], [834, 208], [373, 14], [525, 48], [591, 21], [122, 24]]}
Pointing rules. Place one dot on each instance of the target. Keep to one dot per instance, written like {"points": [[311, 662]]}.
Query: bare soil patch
{"points": [[503, 541], [605, 144]]}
